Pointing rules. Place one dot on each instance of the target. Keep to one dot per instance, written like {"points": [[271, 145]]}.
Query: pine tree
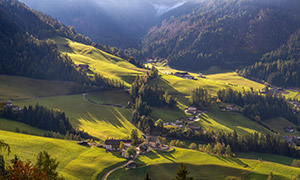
{"points": [[182, 173], [228, 151], [147, 177], [48, 165], [271, 176]]}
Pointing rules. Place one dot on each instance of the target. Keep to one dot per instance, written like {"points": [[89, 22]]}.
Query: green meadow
{"points": [[161, 165], [100, 62], [279, 123], [109, 97], [9, 125], [15, 87], [76, 162], [228, 122], [99, 121]]}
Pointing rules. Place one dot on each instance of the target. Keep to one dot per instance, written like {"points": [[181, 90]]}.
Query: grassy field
{"points": [[203, 166], [278, 124], [267, 157], [110, 97], [15, 87], [76, 162], [168, 114], [100, 121], [228, 122], [99, 61], [213, 82], [9, 125]]}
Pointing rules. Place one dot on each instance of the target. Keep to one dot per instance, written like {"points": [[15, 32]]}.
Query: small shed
{"points": [[83, 143], [131, 164]]}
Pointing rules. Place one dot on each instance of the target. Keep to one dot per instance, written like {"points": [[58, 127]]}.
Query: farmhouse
{"points": [[82, 66], [191, 110], [184, 75], [153, 141], [144, 148], [289, 129], [114, 145], [231, 107], [83, 143], [131, 164]]}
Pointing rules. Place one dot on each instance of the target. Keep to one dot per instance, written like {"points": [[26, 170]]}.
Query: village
{"points": [[184, 122], [127, 149]]}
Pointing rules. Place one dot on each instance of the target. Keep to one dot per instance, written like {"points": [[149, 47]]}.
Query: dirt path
{"points": [[111, 171]]}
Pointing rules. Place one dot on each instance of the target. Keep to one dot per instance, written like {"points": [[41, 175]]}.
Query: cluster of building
{"points": [[296, 105], [184, 75], [289, 129], [292, 139], [9, 104], [82, 66], [183, 122], [229, 107]]}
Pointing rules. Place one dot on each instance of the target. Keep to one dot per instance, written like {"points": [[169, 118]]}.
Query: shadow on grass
{"points": [[106, 170]]}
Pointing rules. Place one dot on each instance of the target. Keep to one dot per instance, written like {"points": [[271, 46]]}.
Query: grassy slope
{"points": [[230, 121], [203, 166], [110, 97], [14, 87], [99, 61], [279, 123], [215, 120], [9, 125], [213, 82], [76, 162], [99, 121], [168, 114]]}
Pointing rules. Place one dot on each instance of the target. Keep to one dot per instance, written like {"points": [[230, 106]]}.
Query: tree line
{"points": [[144, 97], [41, 117], [258, 107], [254, 142]]}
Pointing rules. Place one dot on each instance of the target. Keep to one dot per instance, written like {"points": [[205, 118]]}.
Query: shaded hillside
{"points": [[27, 49], [279, 67], [111, 22], [229, 34], [23, 54]]}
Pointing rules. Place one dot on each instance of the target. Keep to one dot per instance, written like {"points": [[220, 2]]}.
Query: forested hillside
{"points": [[228, 34], [27, 49], [23, 54], [280, 67]]}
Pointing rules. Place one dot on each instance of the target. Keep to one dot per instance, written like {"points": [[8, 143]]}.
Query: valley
{"points": [[202, 89]]}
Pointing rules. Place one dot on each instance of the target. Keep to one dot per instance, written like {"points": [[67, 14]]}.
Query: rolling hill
{"points": [[100, 62], [162, 165], [76, 162]]}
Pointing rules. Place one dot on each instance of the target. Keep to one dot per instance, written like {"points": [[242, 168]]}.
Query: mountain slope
{"points": [[280, 67], [24, 51], [111, 22], [228, 34]]}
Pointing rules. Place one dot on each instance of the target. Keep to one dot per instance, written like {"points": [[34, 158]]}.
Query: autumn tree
{"points": [[20, 170]]}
